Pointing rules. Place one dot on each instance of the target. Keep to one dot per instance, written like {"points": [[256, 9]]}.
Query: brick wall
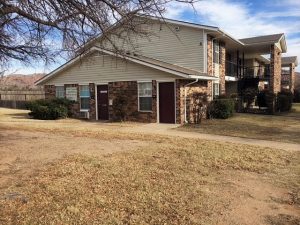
{"points": [[130, 90], [292, 77], [222, 68], [275, 69], [199, 87], [49, 91], [209, 56]]}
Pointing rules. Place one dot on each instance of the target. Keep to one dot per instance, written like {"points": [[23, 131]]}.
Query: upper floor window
{"points": [[60, 91], [84, 97], [216, 50], [145, 96]]}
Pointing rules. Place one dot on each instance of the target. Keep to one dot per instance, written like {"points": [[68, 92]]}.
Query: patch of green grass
{"points": [[171, 183]]}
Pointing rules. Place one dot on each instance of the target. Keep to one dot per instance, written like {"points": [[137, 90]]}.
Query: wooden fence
{"points": [[17, 99]]}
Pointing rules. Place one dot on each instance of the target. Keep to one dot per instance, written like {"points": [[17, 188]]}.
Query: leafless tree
{"points": [[43, 29]]}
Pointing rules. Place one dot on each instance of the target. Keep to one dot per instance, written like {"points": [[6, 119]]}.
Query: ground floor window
{"points": [[60, 91], [145, 96], [84, 97], [216, 89]]}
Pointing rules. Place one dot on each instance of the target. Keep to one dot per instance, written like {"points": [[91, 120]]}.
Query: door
{"points": [[102, 100], [166, 102]]}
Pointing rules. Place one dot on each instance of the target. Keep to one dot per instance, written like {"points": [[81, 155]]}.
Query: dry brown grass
{"points": [[284, 128], [172, 181], [159, 185]]}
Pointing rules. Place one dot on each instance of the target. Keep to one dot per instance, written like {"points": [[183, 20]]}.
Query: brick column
{"points": [[222, 68], [275, 69], [292, 77], [209, 64]]}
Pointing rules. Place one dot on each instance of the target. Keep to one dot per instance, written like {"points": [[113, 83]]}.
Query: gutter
{"points": [[185, 95]]}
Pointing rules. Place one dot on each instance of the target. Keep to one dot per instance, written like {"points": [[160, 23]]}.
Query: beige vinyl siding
{"points": [[184, 47], [97, 68]]}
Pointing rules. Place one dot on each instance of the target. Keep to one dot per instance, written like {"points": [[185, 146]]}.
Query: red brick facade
{"points": [[275, 69], [222, 68], [292, 77], [199, 87], [130, 89]]}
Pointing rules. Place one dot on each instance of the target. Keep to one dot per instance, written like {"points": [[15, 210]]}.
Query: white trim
{"points": [[138, 95], [230, 78], [144, 81], [84, 110], [103, 83], [96, 101], [59, 85]]}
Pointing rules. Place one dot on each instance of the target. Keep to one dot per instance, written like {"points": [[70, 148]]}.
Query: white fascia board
{"points": [[203, 77], [229, 78]]}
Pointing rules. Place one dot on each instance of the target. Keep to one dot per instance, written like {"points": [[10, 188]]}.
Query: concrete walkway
{"points": [[169, 130]]}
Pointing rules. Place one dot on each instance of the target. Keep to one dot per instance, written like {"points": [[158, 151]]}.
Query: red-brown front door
{"points": [[102, 100], [166, 102]]}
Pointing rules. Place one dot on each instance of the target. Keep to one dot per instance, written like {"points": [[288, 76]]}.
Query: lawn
{"points": [[283, 127], [95, 174]]}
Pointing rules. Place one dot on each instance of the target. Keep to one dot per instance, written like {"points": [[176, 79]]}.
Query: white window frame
{"points": [[215, 84], [216, 51], [64, 91], [80, 97], [144, 96]]}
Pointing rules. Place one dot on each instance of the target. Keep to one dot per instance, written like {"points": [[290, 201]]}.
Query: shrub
{"points": [[249, 95], [49, 109], [199, 106], [262, 99], [296, 96], [120, 105], [284, 101], [221, 108]]}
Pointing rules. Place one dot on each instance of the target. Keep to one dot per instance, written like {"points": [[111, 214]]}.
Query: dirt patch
{"points": [[256, 200]]}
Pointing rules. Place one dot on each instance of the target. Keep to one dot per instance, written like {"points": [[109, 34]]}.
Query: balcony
{"points": [[238, 71]]}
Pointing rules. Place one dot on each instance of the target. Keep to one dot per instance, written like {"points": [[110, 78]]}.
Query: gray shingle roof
{"points": [[289, 60], [262, 39]]}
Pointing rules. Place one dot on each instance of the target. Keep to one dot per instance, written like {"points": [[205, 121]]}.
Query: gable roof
{"points": [[289, 59], [262, 39], [146, 61]]}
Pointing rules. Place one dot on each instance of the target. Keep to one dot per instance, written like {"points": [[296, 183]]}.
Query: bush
{"points": [[249, 95], [49, 109], [284, 101], [120, 106], [221, 108], [262, 99], [296, 96]]}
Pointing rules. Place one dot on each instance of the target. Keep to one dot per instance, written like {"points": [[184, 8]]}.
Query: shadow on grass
{"points": [[283, 219]]}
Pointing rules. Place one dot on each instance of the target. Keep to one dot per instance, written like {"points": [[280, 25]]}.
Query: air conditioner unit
{"points": [[84, 115]]}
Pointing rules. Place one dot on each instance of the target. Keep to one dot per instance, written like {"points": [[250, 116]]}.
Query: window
{"points": [[145, 96], [216, 89], [216, 50], [60, 91], [84, 97]]}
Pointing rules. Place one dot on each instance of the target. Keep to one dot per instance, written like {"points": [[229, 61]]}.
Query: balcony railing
{"points": [[234, 70]]}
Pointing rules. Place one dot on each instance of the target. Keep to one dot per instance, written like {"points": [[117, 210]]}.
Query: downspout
{"points": [[185, 95]]}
